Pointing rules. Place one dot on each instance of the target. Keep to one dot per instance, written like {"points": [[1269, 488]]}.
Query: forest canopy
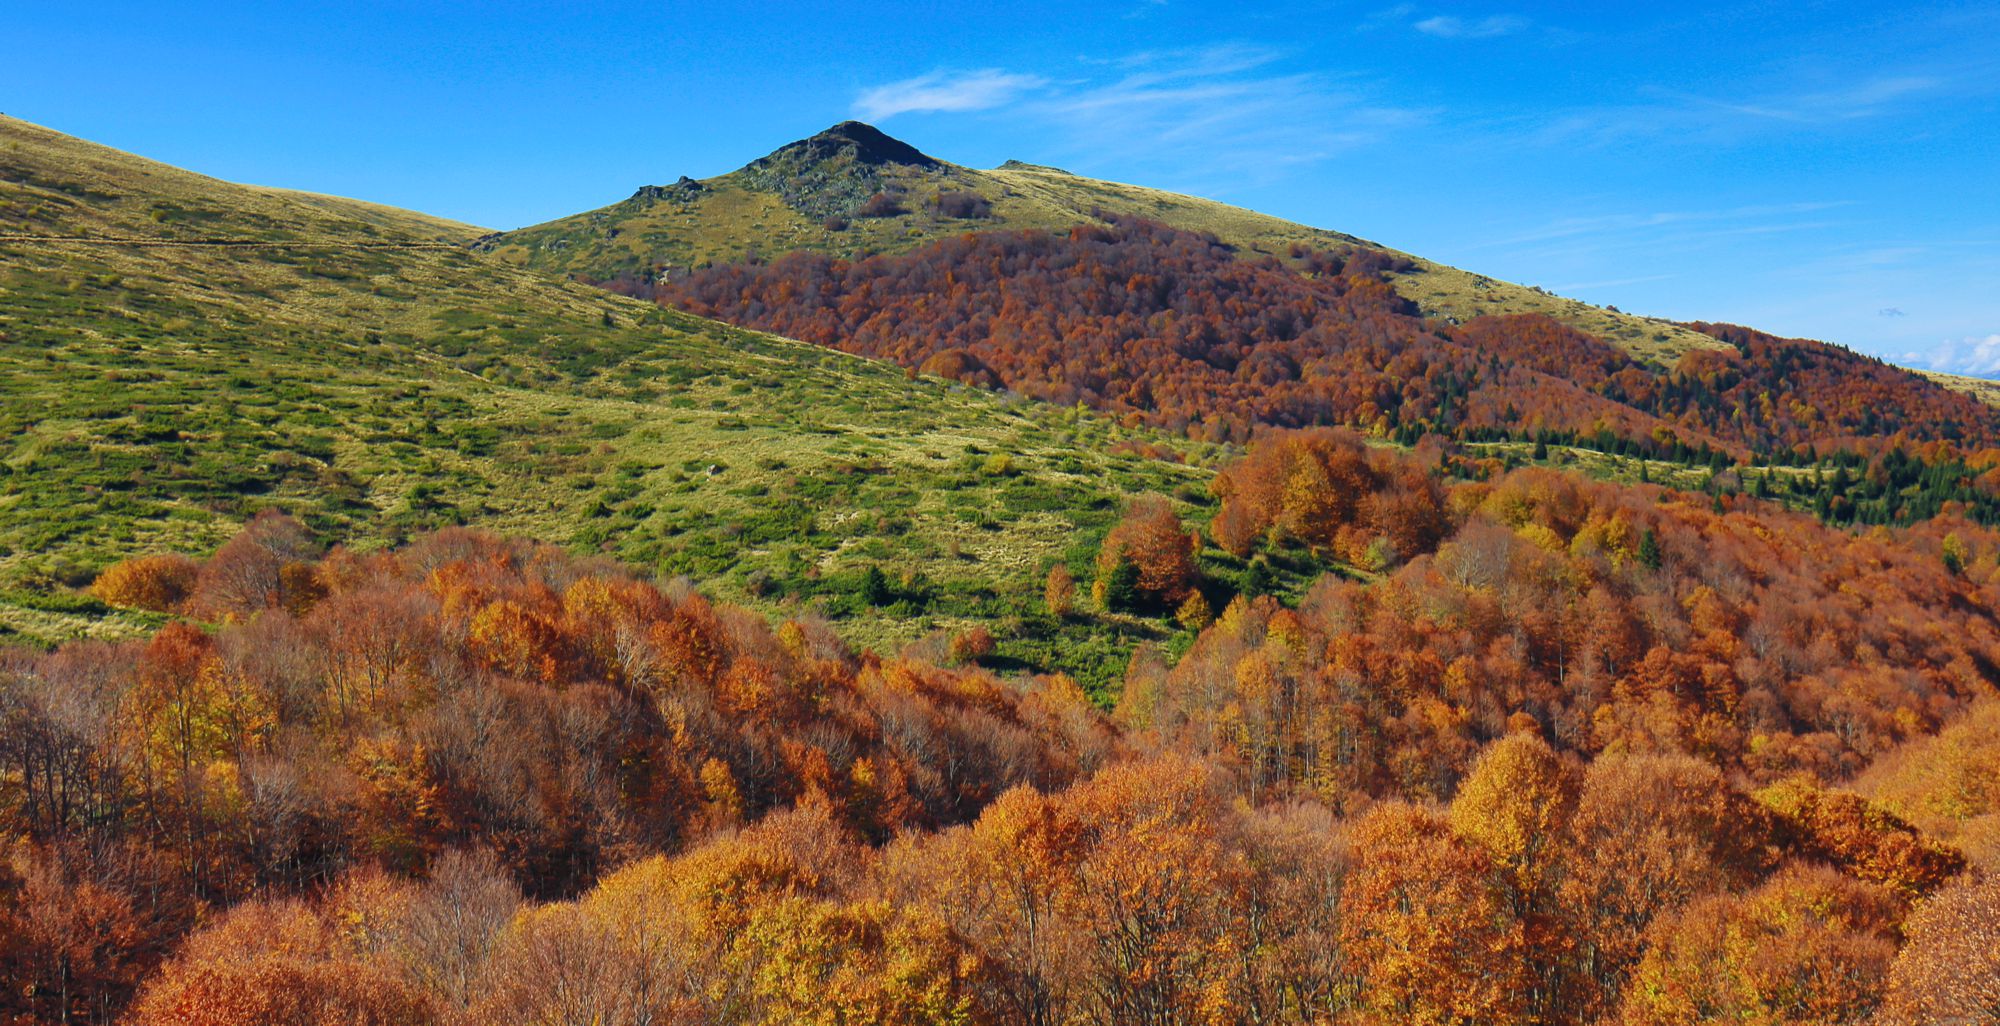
{"points": [[1540, 767], [1181, 331]]}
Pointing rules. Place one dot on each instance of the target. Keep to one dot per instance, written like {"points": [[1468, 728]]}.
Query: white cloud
{"points": [[944, 91], [1445, 26], [1199, 62], [1214, 117], [1975, 356]]}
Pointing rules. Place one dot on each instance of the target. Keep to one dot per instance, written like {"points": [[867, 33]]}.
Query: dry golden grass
{"points": [[1981, 389], [87, 189]]}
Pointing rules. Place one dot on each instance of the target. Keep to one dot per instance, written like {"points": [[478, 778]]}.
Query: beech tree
{"points": [[1863, 838], [1517, 804], [1809, 946], [1059, 591], [278, 962], [1159, 552], [1949, 968], [1427, 920], [1650, 834], [156, 583], [257, 569]]}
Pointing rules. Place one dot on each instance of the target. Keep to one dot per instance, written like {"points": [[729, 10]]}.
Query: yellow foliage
{"points": [[1541, 537]]}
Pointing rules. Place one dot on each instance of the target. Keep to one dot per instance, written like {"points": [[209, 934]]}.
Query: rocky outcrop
{"points": [[834, 173]]}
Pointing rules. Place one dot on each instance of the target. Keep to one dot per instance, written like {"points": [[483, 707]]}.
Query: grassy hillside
{"points": [[1982, 389], [58, 185], [244, 348], [810, 195], [1438, 289]]}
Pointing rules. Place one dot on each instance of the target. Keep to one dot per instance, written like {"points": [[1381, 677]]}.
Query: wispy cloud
{"points": [[1679, 117], [1204, 118], [1585, 286], [1446, 26], [1197, 62], [1400, 14], [1217, 115], [1862, 100], [944, 91], [1756, 219], [1443, 26]]}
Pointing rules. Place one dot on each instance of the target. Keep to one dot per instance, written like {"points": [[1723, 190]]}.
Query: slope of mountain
{"points": [[1985, 390], [1173, 328], [1600, 732], [1551, 758], [856, 240], [814, 194], [238, 348], [59, 185]]}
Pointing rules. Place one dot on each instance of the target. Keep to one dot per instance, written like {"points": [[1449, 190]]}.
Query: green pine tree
{"points": [[1649, 549], [875, 587], [1118, 589]]}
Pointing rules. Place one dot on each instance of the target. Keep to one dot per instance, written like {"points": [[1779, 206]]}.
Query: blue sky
{"points": [[1830, 170]]}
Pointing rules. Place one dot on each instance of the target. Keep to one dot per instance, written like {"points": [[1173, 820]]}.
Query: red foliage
{"points": [[1764, 642], [1795, 392], [464, 691], [958, 365], [1324, 488], [1151, 538], [1179, 330], [1949, 970], [256, 570], [1504, 782]]}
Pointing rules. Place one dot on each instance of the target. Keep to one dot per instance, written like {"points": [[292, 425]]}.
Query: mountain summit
{"points": [[832, 174], [855, 141]]}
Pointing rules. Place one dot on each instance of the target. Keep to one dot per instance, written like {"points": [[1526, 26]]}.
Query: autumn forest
{"points": [[1463, 670], [1550, 766]]}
